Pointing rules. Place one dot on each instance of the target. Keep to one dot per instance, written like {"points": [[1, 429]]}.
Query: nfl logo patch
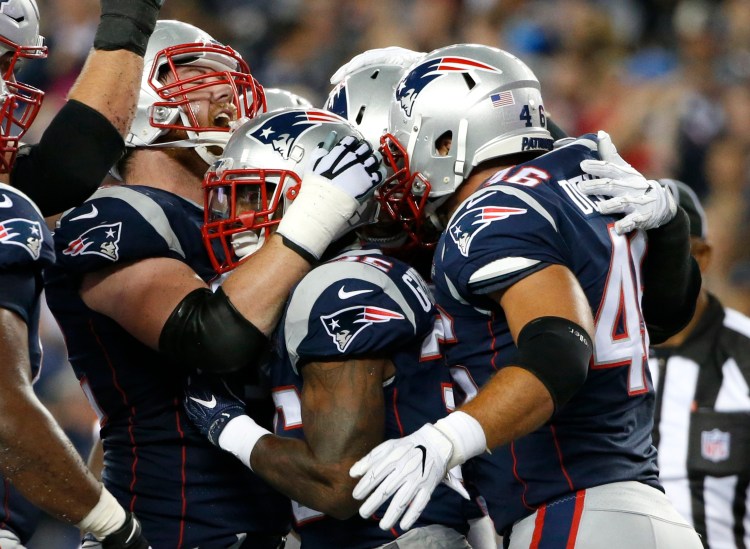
{"points": [[715, 445]]}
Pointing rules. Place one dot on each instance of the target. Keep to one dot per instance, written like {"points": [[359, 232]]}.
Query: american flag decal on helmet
{"points": [[502, 99], [344, 325]]}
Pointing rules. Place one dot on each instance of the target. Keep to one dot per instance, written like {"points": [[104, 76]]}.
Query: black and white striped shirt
{"points": [[702, 426]]}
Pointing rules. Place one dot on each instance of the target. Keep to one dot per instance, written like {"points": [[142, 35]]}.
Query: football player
{"points": [[40, 461], [132, 294], [358, 357], [542, 285]]}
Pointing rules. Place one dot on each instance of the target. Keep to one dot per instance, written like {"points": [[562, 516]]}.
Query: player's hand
{"points": [[352, 166], [128, 536], [392, 55], [210, 405], [409, 469], [338, 180], [645, 203]]}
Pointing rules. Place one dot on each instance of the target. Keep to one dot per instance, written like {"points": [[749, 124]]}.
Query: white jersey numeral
{"points": [[621, 338], [288, 407]]}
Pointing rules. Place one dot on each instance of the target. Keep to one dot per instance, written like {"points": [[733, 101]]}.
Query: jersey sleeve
{"points": [[498, 237], [347, 309], [25, 248], [25, 241], [117, 225]]}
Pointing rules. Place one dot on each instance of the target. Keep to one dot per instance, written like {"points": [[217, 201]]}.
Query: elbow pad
{"points": [[671, 279], [72, 158], [558, 352], [205, 332]]}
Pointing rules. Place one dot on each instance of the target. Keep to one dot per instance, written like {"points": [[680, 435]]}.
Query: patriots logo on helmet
{"points": [[470, 223], [24, 233], [344, 325], [338, 100], [281, 131], [414, 82], [101, 240]]}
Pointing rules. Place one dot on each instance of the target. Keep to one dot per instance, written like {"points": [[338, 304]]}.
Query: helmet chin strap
{"points": [[247, 243]]}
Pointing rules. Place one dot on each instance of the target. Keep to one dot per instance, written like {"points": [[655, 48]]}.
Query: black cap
{"points": [[689, 202]]}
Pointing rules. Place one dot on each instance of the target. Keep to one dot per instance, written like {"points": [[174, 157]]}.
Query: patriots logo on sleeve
{"points": [[102, 240], [411, 86], [24, 233], [473, 220], [344, 325], [283, 130]]}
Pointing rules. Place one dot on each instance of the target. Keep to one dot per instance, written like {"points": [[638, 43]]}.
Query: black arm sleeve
{"points": [[71, 160], [671, 279], [205, 332]]}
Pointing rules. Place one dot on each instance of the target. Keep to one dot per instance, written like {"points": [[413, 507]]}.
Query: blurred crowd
{"points": [[668, 79]]}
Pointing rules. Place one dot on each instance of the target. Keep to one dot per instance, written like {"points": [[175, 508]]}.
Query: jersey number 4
{"points": [[621, 338]]}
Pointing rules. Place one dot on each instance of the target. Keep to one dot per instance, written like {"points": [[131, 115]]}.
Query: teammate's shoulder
{"points": [[370, 272], [24, 236], [119, 223], [356, 304]]}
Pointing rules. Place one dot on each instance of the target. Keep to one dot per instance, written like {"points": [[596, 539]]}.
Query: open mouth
{"points": [[224, 118]]}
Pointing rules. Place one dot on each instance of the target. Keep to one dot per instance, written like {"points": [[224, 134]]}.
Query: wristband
{"points": [[317, 216], [466, 435], [106, 516], [126, 25], [240, 436]]}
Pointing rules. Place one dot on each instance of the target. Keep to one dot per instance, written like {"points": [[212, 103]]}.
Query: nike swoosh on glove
{"points": [[646, 203], [210, 405], [128, 536], [409, 469]]}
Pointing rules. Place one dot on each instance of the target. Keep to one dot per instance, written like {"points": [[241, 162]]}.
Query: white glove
{"points": [[411, 467], [393, 55], [352, 166], [334, 185], [645, 203]]}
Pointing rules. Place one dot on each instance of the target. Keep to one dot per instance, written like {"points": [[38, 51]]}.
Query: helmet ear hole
{"points": [[443, 143]]}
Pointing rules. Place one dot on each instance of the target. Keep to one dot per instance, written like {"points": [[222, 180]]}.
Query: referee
{"points": [[702, 419]]}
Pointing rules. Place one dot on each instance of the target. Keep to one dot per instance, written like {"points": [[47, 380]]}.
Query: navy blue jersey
{"points": [[185, 491], [365, 304], [524, 219], [25, 248]]}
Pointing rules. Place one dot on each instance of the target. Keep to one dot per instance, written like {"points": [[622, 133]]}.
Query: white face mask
{"points": [[247, 243]]}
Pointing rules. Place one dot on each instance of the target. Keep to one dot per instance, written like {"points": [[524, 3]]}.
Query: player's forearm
{"points": [[260, 286], [41, 462], [290, 467], [110, 83], [513, 404]]}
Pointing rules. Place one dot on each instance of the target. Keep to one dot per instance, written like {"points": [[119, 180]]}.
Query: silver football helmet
{"points": [[20, 39], [482, 102], [276, 98], [364, 98], [164, 105], [247, 190], [13, 124]]}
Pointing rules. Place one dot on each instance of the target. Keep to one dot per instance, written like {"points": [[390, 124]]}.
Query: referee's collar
{"points": [[700, 342]]}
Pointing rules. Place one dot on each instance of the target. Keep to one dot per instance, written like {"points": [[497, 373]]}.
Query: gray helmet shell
{"points": [[364, 98], [485, 100]]}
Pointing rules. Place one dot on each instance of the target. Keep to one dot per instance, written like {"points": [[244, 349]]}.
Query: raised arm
{"points": [[85, 138]]}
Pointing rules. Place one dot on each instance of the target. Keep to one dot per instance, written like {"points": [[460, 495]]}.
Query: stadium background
{"points": [[668, 79]]}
